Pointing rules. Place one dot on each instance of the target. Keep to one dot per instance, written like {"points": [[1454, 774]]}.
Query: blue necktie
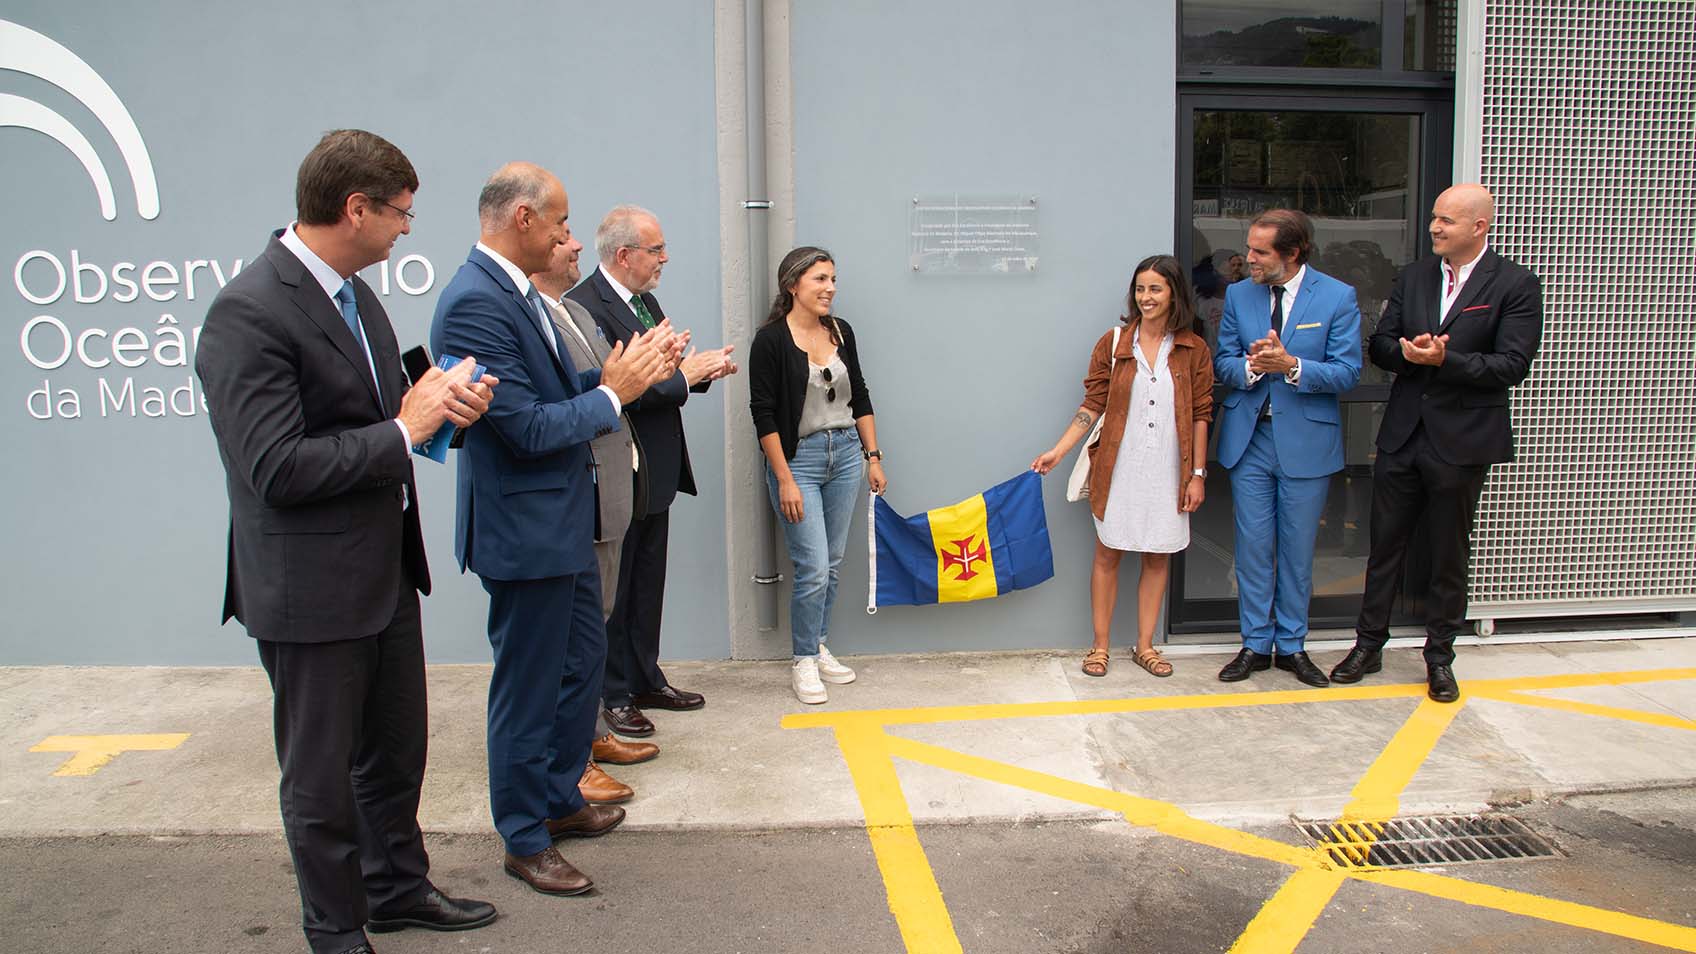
{"points": [[547, 321], [350, 312]]}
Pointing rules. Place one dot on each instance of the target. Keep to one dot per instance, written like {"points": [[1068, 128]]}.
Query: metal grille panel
{"points": [[1589, 144], [1417, 841]]}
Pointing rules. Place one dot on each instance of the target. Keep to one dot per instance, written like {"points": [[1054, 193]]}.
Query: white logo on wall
{"points": [[23, 50], [46, 278]]}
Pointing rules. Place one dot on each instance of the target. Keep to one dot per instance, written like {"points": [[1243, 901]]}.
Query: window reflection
{"points": [[1344, 34], [1353, 173]]}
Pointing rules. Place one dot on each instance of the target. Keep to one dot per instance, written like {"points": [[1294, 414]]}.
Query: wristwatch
{"points": [[874, 454], [1199, 472]]}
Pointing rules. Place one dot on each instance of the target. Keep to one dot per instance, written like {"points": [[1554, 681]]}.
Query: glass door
{"points": [[1366, 169]]}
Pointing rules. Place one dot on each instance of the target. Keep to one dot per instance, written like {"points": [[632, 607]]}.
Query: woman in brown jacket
{"points": [[1148, 469]]}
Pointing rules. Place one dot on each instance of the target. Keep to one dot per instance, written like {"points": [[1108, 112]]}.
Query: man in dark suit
{"points": [[619, 294], [1460, 329], [526, 520], [1289, 343], [313, 420]]}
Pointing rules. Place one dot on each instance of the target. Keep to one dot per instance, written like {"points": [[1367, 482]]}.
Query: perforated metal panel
{"points": [[1589, 144]]}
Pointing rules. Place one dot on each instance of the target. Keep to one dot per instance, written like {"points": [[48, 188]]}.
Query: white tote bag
{"points": [[1077, 485]]}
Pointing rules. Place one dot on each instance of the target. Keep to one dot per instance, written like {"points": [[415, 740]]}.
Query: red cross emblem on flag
{"points": [[964, 558]]}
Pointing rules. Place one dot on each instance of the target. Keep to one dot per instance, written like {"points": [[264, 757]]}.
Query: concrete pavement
{"points": [[1204, 746]]}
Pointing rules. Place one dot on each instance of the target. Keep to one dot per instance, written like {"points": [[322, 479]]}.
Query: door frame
{"points": [[1433, 103]]}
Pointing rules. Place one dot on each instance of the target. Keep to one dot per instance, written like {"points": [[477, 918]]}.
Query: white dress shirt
{"points": [[544, 322], [1453, 282], [332, 281], [624, 294], [1292, 287]]}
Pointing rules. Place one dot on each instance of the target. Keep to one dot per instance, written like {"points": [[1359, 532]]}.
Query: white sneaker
{"points": [[804, 676], [832, 671]]}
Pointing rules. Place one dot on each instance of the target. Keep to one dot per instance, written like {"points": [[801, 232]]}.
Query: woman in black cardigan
{"points": [[814, 420]]}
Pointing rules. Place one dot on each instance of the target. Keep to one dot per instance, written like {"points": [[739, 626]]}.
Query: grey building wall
{"points": [[973, 376], [117, 522]]}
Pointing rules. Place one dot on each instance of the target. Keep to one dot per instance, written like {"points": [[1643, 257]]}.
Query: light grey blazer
{"points": [[612, 453]]}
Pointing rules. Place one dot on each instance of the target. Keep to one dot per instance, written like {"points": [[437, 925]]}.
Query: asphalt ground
{"points": [[1070, 887]]}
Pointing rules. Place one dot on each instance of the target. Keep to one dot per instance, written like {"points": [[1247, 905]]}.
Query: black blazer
{"points": [[316, 469], [777, 382], [665, 470], [1494, 328]]}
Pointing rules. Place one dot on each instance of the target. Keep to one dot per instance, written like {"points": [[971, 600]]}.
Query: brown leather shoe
{"points": [[586, 822], [613, 750], [547, 872], [599, 788]]}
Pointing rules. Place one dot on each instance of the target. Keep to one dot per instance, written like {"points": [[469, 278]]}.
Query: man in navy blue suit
{"points": [[526, 519], [1289, 343]]}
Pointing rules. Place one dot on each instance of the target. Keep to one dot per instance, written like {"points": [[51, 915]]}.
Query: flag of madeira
{"points": [[983, 546]]}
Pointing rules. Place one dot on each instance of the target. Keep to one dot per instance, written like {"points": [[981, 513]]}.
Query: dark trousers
{"points": [[633, 629], [549, 645], [1414, 489], [351, 723]]}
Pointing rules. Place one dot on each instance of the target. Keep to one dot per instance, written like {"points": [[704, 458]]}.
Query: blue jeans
{"points": [[827, 467]]}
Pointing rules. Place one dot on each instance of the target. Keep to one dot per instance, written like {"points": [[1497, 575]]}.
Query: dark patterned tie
{"points": [[642, 311], [1278, 308]]}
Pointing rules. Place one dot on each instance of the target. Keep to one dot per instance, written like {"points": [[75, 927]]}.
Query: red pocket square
{"points": [[1476, 308]]}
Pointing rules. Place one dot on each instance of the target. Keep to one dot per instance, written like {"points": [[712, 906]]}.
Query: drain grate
{"points": [[1417, 840]]}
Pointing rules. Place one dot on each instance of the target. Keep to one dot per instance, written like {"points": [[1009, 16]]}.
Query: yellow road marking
{"points": [[914, 897], [1619, 924], [1283, 922], [94, 751], [1285, 919], [1589, 708], [1224, 700]]}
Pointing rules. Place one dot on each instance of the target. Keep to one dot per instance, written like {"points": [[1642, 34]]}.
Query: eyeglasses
{"points": [[654, 250], [830, 393], [406, 212]]}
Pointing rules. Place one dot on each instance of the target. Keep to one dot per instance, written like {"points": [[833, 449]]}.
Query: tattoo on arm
{"points": [[1083, 421]]}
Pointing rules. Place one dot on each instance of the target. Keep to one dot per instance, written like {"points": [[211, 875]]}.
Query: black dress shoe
{"points": [[628, 720], [1359, 662], [438, 912], [1246, 662], [668, 697], [1303, 667], [1440, 684]]}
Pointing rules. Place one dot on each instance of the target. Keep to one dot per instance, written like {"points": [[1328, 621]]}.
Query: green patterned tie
{"points": [[642, 311]]}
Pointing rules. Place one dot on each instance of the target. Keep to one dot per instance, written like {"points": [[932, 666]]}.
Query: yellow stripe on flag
{"points": [[965, 569]]}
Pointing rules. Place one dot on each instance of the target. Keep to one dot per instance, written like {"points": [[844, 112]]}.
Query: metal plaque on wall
{"points": [[956, 234]]}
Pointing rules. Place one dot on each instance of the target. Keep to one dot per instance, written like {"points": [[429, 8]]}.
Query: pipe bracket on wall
{"points": [[757, 204], [774, 578]]}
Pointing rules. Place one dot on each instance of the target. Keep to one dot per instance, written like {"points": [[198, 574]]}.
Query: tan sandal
{"points": [[1095, 662], [1151, 660]]}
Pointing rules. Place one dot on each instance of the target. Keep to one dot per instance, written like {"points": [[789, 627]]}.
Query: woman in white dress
{"points": [[1148, 469]]}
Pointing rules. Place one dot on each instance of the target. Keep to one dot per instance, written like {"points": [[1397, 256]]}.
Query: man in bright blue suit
{"points": [[1289, 343], [526, 520]]}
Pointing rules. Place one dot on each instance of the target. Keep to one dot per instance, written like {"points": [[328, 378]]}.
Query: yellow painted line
{"points": [[1590, 708], [1581, 680], [1377, 796], [93, 751], [1286, 918], [1164, 817], [1026, 710], [1649, 931], [1283, 922], [1362, 693], [914, 896]]}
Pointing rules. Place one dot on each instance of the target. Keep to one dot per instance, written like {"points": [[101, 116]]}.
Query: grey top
{"points": [[818, 411]]}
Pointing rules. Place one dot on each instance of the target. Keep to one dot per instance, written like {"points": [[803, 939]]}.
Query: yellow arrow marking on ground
{"points": [[1284, 921], [94, 751]]}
